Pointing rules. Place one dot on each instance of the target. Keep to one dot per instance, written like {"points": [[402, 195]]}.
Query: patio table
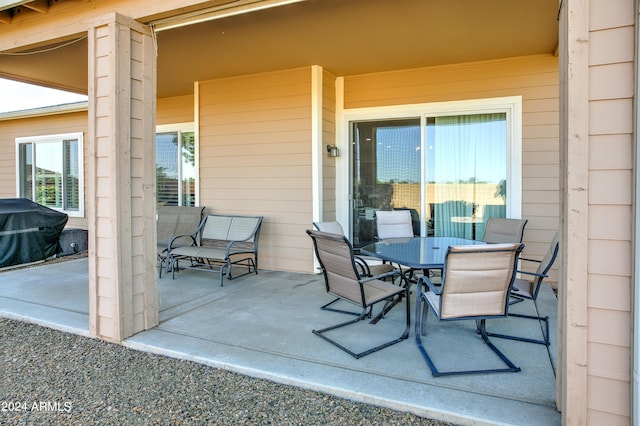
{"points": [[421, 253], [417, 252]]}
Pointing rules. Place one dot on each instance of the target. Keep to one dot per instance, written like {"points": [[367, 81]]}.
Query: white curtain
{"points": [[469, 171]]}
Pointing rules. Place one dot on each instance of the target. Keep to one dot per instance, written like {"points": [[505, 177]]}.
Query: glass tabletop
{"points": [[417, 252]]}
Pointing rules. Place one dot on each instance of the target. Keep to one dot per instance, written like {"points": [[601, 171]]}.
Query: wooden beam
{"points": [[573, 391], [41, 6]]}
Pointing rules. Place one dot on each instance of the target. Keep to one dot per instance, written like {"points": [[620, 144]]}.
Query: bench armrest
{"points": [[174, 239]]}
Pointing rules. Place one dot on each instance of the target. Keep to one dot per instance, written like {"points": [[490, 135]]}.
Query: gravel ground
{"points": [[50, 378]]}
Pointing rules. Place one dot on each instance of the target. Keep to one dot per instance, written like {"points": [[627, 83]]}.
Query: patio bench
{"points": [[173, 221], [220, 242]]}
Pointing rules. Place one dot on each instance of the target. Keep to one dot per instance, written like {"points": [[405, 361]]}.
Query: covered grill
{"points": [[28, 231]]}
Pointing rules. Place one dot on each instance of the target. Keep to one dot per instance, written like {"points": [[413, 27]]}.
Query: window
{"points": [[453, 165], [50, 171], [176, 174]]}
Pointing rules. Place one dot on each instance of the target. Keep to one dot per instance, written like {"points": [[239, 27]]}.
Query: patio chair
{"points": [[488, 211], [502, 230], [397, 224], [475, 286], [342, 280], [394, 224], [174, 221], [415, 218], [528, 289], [366, 269]]}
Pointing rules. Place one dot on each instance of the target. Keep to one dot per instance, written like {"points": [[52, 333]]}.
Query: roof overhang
{"points": [[224, 38], [44, 111], [221, 11], [8, 4]]}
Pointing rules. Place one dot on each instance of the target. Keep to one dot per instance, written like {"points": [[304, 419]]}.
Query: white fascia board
{"points": [[44, 111]]}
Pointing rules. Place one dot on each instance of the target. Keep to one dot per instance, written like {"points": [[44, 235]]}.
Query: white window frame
{"points": [[79, 136], [511, 105], [182, 128]]}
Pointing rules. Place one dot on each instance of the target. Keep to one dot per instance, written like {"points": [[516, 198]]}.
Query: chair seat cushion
{"points": [[203, 252], [376, 290], [464, 306], [380, 269]]}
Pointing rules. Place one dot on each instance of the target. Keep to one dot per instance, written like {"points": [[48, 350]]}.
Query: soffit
{"points": [[346, 37], [9, 9]]}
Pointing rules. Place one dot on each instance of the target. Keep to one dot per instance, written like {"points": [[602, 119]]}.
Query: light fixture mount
{"points": [[333, 151]]}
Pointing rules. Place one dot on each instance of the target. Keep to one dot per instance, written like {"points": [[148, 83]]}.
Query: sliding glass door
{"points": [[449, 170]]}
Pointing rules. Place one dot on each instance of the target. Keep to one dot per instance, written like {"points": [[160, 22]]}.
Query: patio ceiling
{"points": [[346, 37]]}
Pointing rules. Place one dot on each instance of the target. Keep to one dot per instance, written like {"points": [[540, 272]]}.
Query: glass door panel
{"points": [[188, 169], [71, 178], [385, 173], [466, 172], [175, 169], [48, 174], [167, 172]]}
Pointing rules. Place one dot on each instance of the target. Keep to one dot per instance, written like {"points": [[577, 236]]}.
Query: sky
{"points": [[16, 96]]}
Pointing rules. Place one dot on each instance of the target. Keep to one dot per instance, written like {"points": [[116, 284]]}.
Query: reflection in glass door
{"points": [[466, 172], [386, 173], [451, 176]]}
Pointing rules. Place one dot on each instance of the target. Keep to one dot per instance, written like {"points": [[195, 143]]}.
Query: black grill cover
{"points": [[28, 231]]}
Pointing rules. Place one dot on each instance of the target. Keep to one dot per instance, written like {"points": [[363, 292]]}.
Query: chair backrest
{"points": [[231, 228], [394, 224], [477, 280], [546, 263], [332, 227], [502, 230], [177, 220], [415, 218], [335, 255]]}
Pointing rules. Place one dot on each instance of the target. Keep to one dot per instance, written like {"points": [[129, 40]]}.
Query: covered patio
{"points": [[267, 85], [260, 325]]}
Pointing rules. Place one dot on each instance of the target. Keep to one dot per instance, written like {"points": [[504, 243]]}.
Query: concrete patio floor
{"points": [[260, 325]]}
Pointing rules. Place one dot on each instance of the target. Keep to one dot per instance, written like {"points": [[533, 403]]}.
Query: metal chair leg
{"points": [[545, 331], [361, 316], [420, 330], [337, 299]]}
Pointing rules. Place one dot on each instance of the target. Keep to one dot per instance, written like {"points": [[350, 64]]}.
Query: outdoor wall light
{"points": [[333, 151]]}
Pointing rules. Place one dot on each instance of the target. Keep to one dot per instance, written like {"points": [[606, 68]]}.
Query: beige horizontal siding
{"points": [[611, 114], [255, 158], [174, 110], [328, 138], [532, 77]]}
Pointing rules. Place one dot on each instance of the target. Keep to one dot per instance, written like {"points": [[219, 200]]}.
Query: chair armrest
{"points": [[425, 280], [535, 274], [362, 265], [381, 276], [530, 260]]}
